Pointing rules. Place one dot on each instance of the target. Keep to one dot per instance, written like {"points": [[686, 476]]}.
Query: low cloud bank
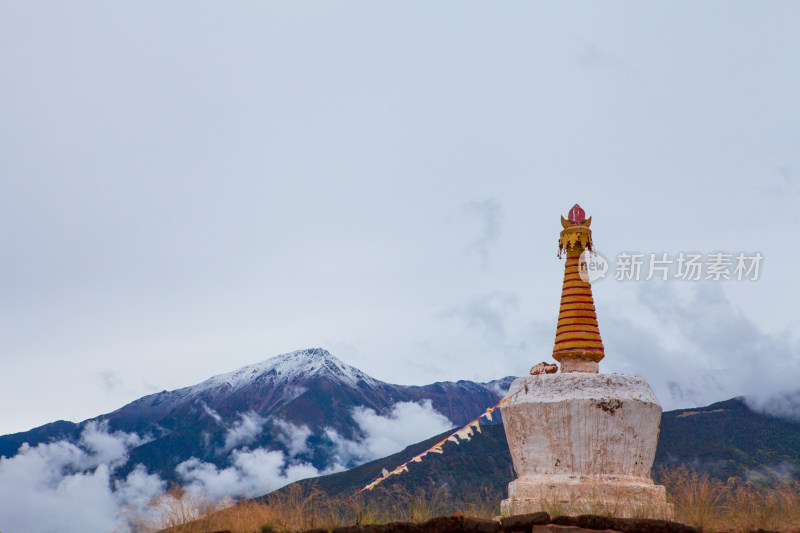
{"points": [[695, 347], [70, 487], [252, 473], [257, 471], [244, 431], [406, 424]]}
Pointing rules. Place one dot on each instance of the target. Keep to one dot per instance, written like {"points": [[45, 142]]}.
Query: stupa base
{"points": [[608, 495]]}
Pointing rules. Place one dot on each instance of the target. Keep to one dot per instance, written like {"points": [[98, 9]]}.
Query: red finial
{"points": [[576, 214]]}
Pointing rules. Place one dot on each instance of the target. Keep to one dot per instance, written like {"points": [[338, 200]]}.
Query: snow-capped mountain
{"points": [[277, 380], [295, 367], [309, 393], [292, 369]]}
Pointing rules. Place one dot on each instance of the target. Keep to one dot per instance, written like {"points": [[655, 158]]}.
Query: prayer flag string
{"points": [[465, 433]]}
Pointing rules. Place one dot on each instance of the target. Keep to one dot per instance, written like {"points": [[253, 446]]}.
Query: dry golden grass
{"points": [[712, 505], [292, 510], [699, 500], [295, 509]]}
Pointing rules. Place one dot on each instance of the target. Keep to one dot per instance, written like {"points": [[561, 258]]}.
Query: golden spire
{"points": [[578, 346]]}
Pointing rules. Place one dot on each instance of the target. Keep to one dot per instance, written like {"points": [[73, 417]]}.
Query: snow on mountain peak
{"points": [[293, 367]]}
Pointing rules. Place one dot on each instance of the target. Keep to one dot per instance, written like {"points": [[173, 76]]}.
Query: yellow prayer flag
{"points": [[464, 433]]}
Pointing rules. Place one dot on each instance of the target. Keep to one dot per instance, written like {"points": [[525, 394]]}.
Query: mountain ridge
{"points": [[306, 388]]}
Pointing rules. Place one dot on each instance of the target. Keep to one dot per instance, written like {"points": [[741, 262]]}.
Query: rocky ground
{"points": [[529, 523]]}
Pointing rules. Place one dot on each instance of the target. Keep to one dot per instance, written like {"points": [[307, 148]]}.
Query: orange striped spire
{"points": [[578, 345]]}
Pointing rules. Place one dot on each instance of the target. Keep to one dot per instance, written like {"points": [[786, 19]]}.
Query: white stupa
{"points": [[581, 441]]}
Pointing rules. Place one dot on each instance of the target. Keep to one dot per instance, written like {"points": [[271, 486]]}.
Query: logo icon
{"points": [[592, 266]]}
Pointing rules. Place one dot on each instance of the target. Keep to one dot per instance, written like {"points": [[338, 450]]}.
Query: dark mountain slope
{"points": [[729, 439], [482, 463]]}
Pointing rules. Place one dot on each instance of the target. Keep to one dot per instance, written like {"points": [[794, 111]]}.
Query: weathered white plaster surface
{"points": [[579, 364], [583, 441]]}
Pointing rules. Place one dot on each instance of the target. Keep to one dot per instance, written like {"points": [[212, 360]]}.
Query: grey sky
{"points": [[190, 187]]}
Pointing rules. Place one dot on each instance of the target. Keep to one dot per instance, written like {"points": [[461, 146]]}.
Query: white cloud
{"points": [[138, 488], [259, 471], [407, 423], [696, 348], [212, 413], [489, 213], [252, 473], [782, 404], [244, 431], [67, 488], [108, 448], [487, 314], [294, 437], [500, 387]]}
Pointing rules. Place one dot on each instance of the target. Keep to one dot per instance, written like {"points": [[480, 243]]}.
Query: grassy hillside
{"points": [[466, 468], [727, 439]]}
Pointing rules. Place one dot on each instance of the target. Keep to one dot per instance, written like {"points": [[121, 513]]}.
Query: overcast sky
{"points": [[188, 187]]}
